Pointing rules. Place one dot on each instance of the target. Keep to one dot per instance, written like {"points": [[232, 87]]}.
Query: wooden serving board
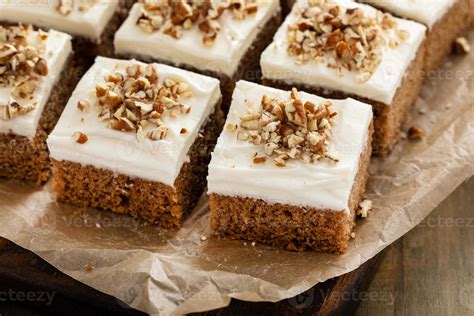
{"points": [[21, 271]]}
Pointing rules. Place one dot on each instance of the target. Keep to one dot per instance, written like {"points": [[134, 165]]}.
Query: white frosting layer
{"points": [[121, 152], [58, 48], [232, 42], [90, 23], [427, 12], [321, 185], [278, 64]]}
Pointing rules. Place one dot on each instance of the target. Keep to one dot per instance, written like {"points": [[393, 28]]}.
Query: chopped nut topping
{"points": [[259, 159], [461, 46], [174, 17], [343, 39], [65, 7], [21, 67], [364, 207], [89, 267], [134, 101], [83, 105], [289, 130], [80, 138], [415, 133]]}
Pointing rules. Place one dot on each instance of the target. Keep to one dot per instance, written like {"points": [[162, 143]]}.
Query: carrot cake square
{"points": [[136, 138], [446, 20], [91, 22], [290, 168], [340, 49], [222, 39], [36, 79]]}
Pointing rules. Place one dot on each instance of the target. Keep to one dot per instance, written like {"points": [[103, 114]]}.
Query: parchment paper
{"points": [[164, 272]]}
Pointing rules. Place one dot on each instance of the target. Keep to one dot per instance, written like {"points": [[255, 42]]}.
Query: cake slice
{"points": [[446, 20], [36, 78], [91, 22], [340, 49], [222, 39], [136, 138], [290, 169]]}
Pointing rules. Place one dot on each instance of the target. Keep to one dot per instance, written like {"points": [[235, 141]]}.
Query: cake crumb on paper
{"points": [[365, 207], [89, 267]]}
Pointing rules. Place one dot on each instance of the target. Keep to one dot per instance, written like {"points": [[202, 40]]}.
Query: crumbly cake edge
{"points": [[157, 203], [28, 159], [287, 226]]}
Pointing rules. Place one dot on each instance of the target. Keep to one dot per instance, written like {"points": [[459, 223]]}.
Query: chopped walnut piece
{"points": [[89, 267], [415, 133], [41, 67], [173, 17], [288, 130], [80, 138], [231, 127], [291, 246], [83, 105], [343, 39], [65, 6], [134, 101], [259, 159], [364, 207], [461, 46]]}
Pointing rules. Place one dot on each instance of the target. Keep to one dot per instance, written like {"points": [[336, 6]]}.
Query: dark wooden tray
{"points": [[21, 271]]}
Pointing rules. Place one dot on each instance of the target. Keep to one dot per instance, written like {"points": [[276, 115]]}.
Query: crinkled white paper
{"points": [[177, 272]]}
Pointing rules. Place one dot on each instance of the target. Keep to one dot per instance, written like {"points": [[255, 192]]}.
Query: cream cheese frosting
{"points": [[119, 151], [232, 42], [89, 23], [277, 64], [322, 185], [57, 48], [427, 12]]}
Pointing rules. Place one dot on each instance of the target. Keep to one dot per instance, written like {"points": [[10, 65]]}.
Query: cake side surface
{"points": [[294, 228], [136, 138], [158, 203], [266, 162]]}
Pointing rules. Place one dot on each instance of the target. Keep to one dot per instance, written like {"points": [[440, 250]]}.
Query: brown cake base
{"points": [[388, 118], [443, 34], [85, 185], [287, 226], [471, 12], [26, 159], [249, 66]]}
